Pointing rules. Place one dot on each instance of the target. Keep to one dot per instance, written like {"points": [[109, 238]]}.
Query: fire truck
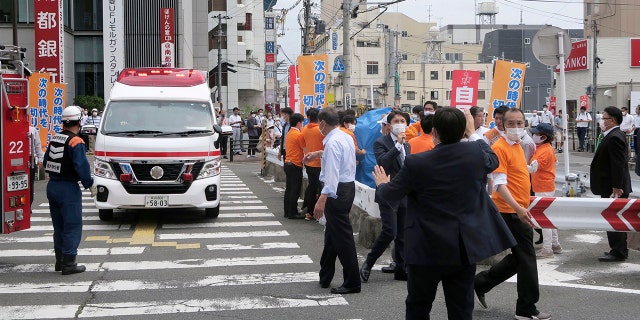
{"points": [[14, 129]]}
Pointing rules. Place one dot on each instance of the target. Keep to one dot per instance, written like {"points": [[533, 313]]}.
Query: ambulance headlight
{"points": [[103, 169], [210, 169]]}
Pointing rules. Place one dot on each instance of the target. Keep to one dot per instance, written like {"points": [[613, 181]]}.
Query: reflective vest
{"points": [[59, 162]]}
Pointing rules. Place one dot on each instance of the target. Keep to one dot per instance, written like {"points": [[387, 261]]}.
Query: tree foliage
{"points": [[89, 102]]}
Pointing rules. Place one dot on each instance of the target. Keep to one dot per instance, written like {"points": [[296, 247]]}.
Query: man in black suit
{"points": [[451, 221], [390, 151], [610, 175]]}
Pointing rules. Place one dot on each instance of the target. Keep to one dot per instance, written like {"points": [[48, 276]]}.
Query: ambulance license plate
{"points": [[17, 182], [156, 201]]}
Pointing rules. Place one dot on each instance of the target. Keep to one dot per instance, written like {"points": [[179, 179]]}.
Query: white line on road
{"points": [[84, 210], [220, 235], [241, 197], [81, 252], [223, 192], [84, 204], [262, 246], [233, 185], [221, 224], [239, 201], [86, 227], [246, 215], [231, 189], [243, 208]]}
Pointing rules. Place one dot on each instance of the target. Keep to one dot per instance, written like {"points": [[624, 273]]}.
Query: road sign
{"points": [[338, 65], [545, 45]]}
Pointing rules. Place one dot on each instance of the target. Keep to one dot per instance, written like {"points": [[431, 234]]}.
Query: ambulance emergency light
{"points": [[161, 77]]}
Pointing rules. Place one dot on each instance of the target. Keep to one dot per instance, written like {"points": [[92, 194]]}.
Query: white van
{"points": [[155, 145]]}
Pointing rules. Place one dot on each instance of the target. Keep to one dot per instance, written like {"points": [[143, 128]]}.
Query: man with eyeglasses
{"points": [[610, 175]]}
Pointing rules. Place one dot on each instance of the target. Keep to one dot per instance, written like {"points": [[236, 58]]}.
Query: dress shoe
{"points": [[480, 297], [365, 271], [400, 275], [297, 216], [608, 257], [343, 290], [390, 269]]}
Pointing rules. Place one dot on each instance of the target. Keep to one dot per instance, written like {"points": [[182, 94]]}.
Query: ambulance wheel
{"points": [[105, 214], [212, 212]]}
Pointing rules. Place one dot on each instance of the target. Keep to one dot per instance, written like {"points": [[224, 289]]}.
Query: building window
{"points": [[434, 95], [411, 95], [87, 14], [247, 22], [481, 94], [548, 90], [239, 1], [88, 66], [454, 56], [239, 38], [449, 76], [217, 5], [527, 40], [411, 75], [405, 57], [368, 44], [527, 89], [448, 95], [482, 75], [434, 75], [269, 23], [214, 38], [372, 67]]}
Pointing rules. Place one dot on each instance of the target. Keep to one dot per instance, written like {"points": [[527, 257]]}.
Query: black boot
{"points": [[69, 265], [58, 260]]}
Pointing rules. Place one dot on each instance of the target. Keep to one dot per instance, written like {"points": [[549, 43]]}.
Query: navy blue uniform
{"points": [[66, 163]]}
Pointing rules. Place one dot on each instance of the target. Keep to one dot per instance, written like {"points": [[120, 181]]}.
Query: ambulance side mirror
{"points": [[218, 131]]}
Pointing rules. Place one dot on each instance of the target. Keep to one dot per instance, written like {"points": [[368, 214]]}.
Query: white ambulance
{"points": [[155, 144]]}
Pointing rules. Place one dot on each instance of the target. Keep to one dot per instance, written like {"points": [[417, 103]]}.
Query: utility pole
{"points": [[306, 47], [220, 34], [14, 22], [594, 87], [346, 51], [397, 73]]}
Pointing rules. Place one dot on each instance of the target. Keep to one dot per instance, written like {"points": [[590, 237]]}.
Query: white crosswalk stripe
{"points": [[246, 234]]}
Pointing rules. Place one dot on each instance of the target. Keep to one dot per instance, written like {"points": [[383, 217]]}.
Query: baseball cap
{"points": [[543, 128]]}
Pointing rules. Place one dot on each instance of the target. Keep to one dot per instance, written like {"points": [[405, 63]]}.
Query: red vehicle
{"points": [[14, 129]]}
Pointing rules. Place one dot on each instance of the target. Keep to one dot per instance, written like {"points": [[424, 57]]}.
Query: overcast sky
{"points": [[561, 13]]}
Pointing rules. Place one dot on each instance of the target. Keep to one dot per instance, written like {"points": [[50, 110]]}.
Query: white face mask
{"points": [[429, 112], [538, 139], [352, 127], [94, 114], [601, 124], [515, 134], [398, 128], [624, 113]]}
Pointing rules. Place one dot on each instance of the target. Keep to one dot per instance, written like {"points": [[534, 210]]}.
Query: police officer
{"points": [[66, 162]]}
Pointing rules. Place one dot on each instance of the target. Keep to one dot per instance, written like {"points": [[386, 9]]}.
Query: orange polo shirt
{"points": [[411, 131], [514, 165], [544, 180], [347, 131], [312, 140], [293, 145], [421, 143]]}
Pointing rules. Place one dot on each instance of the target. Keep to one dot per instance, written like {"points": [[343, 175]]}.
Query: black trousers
{"points": [[392, 217], [292, 189], [617, 239], [582, 133], [521, 261], [313, 188], [32, 179], [457, 283], [338, 239], [253, 142], [222, 144]]}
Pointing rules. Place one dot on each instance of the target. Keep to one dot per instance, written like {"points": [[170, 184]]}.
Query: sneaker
{"points": [[544, 253], [248, 156], [539, 316], [556, 249], [308, 217]]}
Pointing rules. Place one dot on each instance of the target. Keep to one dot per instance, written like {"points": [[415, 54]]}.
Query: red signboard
{"points": [[635, 52], [270, 58], [553, 104], [167, 38], [464, 88], [294, 89], [49, 35], [578, 59], [584, 101]]}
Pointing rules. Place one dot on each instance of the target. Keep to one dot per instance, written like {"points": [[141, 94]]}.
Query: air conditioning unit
{"points": [[338, 103], [353, 102]]}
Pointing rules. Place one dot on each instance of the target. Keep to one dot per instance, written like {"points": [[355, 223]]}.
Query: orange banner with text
{"points": [[46, 101], [508, 81], [312, 72]]}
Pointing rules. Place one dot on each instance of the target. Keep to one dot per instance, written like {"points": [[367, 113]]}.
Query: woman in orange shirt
{"points": [[543, 176]]}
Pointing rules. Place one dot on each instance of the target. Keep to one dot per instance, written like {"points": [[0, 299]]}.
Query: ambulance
{"points": [[154, 147]]}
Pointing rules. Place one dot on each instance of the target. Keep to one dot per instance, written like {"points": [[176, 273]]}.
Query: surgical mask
{"points": [[545, 109], [601, 124], [94, 114], [515, 134], [398, 128], [624, 113], [253, 116], [429, 112], [537, 139], [414, 117], [352, 127]]}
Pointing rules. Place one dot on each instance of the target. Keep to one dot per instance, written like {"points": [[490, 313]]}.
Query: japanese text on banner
{"points": [[313, 81], [508, 80]]}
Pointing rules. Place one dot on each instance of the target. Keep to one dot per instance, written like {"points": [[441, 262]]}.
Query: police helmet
{"points": [[71, 113]]}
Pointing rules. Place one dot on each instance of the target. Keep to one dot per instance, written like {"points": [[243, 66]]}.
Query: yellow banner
{"points": [[508, 81], [312, 72], [46, 101]]}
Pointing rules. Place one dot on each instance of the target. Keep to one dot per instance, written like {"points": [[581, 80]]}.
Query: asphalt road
{"points": [[251, 263]]}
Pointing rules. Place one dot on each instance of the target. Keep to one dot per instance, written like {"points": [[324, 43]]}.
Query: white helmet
{"points": [[71, 113]]}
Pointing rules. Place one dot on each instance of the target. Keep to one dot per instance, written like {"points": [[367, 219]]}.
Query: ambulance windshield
{"points": [[149, 118]]}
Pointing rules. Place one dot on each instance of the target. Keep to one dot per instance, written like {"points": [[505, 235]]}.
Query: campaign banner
{"points": [[584, 101], [635, 52], [47, 100], [578, 59], [312, 72], [294, 89], [49, 38], [167, 38], [553, 104], [112, 42], [508, 80], [464, 88]]}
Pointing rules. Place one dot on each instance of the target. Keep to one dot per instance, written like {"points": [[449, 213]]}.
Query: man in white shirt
{"points": [[559, 131], [478, 120], [582, 126], [235, 121], [535, 119], [627, 125], [93, 119], [546, 116]]}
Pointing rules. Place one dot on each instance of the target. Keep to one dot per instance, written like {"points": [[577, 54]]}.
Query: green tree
{"points": [[89, 102]]}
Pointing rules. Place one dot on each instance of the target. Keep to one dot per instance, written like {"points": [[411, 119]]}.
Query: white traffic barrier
{"points": [[604, 214]]}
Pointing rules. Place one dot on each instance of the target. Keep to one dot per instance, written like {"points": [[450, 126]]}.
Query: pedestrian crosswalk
{"points": [[244, 260]]}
